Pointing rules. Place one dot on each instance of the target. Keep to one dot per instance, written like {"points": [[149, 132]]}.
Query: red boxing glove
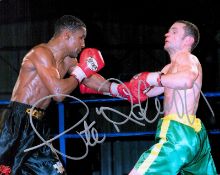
{"points": [[122, 91], [90, 62], [116, 90], [139, 85], [142, 82]]}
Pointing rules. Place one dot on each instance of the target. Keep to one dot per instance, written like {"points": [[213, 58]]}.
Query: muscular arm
{"points": [[183, 78], [97, 83], [155, 91], [49, 75]]}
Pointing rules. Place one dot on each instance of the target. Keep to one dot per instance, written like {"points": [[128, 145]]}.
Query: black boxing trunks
{"points": [[17, 134]]}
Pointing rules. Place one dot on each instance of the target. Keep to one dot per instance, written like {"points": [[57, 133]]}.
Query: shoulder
{"points": [[42, 50], [40, 54], [194, 59], [187, 58], [189, 63], [195, 63]]}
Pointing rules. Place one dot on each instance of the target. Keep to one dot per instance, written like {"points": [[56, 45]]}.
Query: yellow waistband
{"points": [[189, 120]]}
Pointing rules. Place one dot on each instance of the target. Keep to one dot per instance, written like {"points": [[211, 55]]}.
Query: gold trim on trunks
{"points": [[35, 113]]}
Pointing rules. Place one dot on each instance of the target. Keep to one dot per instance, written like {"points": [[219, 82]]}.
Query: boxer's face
{"points": [[175, 36], [76, 42]]}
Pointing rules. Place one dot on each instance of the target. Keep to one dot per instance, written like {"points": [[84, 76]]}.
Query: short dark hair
{"points": [[69, 22], [191, 30]]}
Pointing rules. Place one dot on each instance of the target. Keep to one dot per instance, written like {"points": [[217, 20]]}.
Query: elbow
{"points": [[189, 80], [57, 95], [188, 83], [58, 98]]}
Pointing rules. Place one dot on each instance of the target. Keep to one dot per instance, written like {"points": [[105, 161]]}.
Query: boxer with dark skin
{"points": [[42, 74], [44, 67]]}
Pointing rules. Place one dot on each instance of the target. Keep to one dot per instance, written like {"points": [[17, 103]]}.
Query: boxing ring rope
{"points": [[61, 116]]}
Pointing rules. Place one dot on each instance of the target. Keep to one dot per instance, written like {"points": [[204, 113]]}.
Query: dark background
{"points": [[130, 36]]}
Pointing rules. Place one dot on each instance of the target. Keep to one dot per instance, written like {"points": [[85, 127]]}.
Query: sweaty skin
{"points": [[44, 67]]}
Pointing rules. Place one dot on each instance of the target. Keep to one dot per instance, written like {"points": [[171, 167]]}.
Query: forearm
{"points": [[179, 80], [97, 83], [155, 91], [63, 86]]}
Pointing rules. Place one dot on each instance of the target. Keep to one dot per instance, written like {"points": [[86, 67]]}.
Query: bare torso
{"points": [[184, 101], [29, 87]]}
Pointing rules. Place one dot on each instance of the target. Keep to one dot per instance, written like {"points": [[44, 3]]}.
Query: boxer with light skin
{"points": [[182, 144]]}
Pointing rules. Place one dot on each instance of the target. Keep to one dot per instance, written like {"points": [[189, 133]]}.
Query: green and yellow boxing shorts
{"points": [[182, 146]]}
